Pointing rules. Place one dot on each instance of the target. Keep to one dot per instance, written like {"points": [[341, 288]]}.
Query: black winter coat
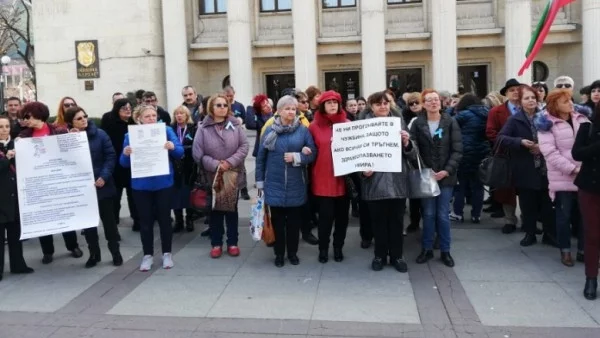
{"points": [[9, 203], [184, 168], [587, 150], [524, 173], [472, 122], [103, 159], [439, 153], [116, 129]]}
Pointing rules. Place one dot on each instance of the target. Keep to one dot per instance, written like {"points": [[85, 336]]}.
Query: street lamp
{"points": [[5, 60]]}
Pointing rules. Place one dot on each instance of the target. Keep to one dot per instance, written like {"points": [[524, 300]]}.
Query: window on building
{"points": [[338, 3], [393, 2], [275, 5], [213, 6]]}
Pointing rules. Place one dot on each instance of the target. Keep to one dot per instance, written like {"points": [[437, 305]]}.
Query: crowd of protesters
{"points": [[553, 145]]}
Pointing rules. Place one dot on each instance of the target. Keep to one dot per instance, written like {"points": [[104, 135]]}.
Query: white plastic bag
{"points": [[257, 218]]}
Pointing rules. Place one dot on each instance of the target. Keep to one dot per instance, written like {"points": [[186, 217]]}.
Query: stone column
{"points": [[175, 49], [239, 31], [372, 28], [304, 17], [590, 14], [517, 34], [443, 45]]}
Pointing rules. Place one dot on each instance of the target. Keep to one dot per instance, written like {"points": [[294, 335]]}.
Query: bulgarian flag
{"points": [[541, 31]]}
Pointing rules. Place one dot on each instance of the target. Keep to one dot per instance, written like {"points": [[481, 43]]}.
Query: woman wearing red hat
{"points": [[329, 190]]}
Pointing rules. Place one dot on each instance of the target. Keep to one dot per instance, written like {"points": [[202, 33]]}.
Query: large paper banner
{"points": [[368, 145], [55, 181]]}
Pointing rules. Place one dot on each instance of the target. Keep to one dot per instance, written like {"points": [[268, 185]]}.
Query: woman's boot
{"points": [[94, 256], [178, 220], [116, 254]]}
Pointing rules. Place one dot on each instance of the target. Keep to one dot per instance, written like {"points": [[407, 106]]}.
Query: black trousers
{"points": [[388, 223], [286, 224], [364, 217], [130, 202], [47, 242], [156, 206], [414, 205], [111, 232], [11, 232], [309, 214], [536, 203], [333, 210]]}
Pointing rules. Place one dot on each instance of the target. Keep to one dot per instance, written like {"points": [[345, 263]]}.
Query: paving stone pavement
{"points": [[497, 289]]}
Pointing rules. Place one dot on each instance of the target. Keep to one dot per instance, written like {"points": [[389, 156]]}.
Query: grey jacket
{"points": [[381, 185]]}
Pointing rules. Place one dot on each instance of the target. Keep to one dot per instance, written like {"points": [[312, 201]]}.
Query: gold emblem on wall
{"points": [[88, 66]]}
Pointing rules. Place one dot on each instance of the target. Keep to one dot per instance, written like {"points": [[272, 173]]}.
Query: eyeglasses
{"points": [[81, 118], [69, 105], [563, 85], [220, 105], [410, 104]]}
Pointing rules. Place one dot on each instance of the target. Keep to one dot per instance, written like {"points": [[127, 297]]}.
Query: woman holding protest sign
{"points": [[439, 141], [285, 150], [103, 161], [153, 194], [35, 115], [9, 204], [329, 190], [386, 193]]}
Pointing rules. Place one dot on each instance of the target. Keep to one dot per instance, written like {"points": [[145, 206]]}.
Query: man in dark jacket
{"points": [[163, 116], [193, 102], [13, 105]]}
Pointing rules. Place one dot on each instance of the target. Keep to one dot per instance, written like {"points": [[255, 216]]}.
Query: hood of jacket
{"points": [[479, 110], [91, 129], [544, 121]]}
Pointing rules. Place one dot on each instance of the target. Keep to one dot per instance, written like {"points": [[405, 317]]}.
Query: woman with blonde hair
{"points": [[185, 129], [65, 103], [153, 194], [493, 99], [220, 147]]}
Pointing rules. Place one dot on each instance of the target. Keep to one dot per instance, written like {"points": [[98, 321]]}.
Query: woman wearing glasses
{"points": [[103, 161], [153, 194], [65, 103], [35, 115], [116, 125], [439, 141], [221, 145]]}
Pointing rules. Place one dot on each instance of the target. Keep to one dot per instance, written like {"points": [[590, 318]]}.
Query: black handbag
{"points": [[494, 170]]}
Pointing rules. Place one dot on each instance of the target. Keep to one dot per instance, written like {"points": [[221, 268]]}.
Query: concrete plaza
{"points": [[497, 289]]}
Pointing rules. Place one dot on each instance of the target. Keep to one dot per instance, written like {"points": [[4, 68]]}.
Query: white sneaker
{"points": [[147, 262], [167, 260]]}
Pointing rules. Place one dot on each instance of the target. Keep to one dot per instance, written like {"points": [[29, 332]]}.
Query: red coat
{"points": [[323, 183], [496, 120], [497, 117]]}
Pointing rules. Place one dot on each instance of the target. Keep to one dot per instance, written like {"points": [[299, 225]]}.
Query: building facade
{"points": [[354, 46]]}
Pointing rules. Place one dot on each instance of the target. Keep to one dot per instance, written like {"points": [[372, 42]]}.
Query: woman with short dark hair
{"points": [[35, 115], [103, 162]]}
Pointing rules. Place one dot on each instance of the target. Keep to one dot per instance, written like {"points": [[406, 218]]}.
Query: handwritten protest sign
{"points": [[368, 145]]}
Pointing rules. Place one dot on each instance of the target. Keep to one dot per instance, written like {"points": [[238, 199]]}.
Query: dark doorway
{"points": [[345, 83], [473, 79], [405, 80], [276, 83]]}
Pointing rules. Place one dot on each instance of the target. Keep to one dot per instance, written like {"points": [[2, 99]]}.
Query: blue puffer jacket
{"points": [[104, 159], [155, 183], [472, 122], [284, 183]]}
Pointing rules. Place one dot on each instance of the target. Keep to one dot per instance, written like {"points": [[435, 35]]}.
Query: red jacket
{"points": [[496, 120], [323, 183]]}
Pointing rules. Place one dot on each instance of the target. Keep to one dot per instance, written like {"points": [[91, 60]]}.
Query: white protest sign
{"points": [[149, 157], [55, 181], [367, 145]]}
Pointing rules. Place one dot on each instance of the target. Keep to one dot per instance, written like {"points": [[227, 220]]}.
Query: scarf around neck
{"points": [[277, 129]]}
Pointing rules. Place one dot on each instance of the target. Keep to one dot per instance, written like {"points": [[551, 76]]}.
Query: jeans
{"points": [[591, 217], [436, 210], [333, 209], [468, 183], [286, 224], [388, 223], [217, 228], [567, 214], [156, 205], [111, 232]]}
